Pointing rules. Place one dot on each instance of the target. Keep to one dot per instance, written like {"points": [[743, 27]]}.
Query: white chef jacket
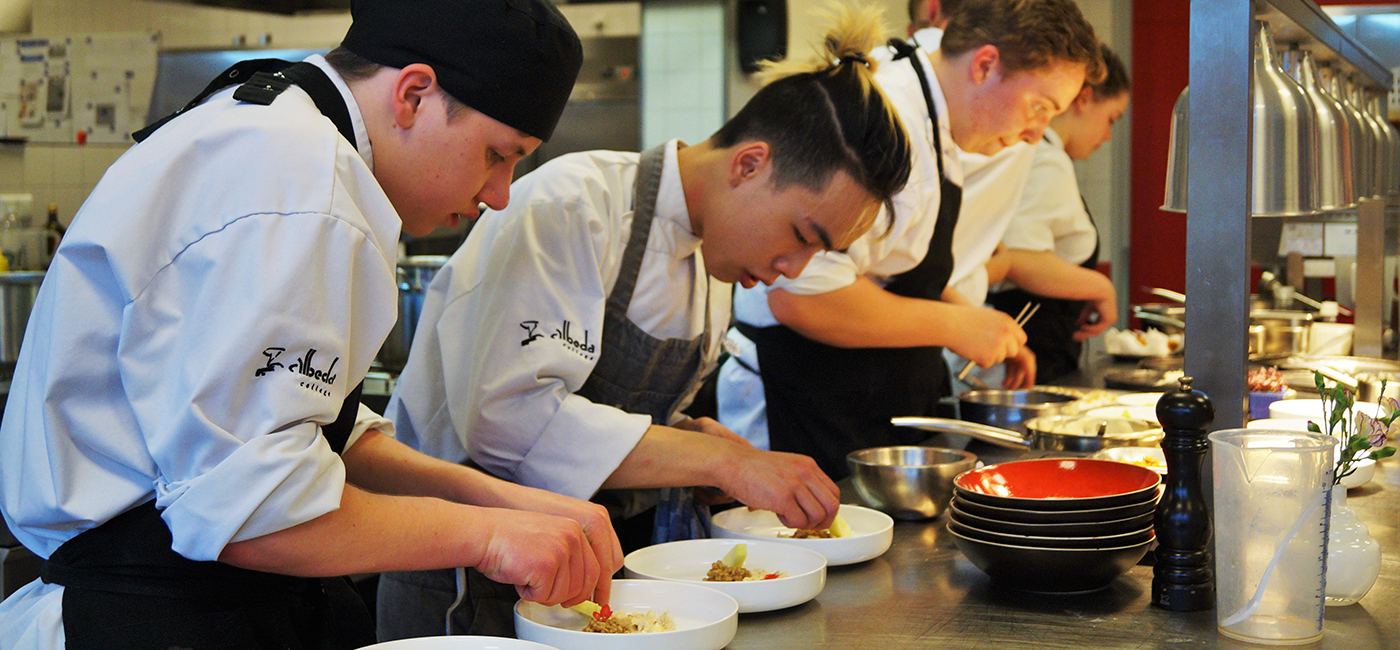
{"points": [[236, 237], [1051, 216], [490, 375], [991, 195], [882, 253]]}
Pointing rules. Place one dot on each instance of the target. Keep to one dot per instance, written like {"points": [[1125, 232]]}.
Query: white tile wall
{"points": [[682, 61], [55, 173]]}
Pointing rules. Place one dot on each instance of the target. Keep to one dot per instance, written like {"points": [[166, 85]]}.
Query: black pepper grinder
{"points": [[1181, 578]]}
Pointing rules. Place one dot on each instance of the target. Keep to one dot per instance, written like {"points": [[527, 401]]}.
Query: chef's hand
{"points": [[1098, 316], [1020, 370], [596, 523], [547, 558], [791, 485], [987, 336]]}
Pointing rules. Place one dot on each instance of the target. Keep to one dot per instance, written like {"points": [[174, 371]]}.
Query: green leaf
{"points": [[1312, 426], [1317, 380]]}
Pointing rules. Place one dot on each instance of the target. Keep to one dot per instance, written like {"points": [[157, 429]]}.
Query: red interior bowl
{"points": [[1058, 484]]}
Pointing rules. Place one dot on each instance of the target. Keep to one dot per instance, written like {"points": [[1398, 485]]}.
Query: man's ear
{"points": [[984, 64], [1083, 99], [747, 161], [413, 84]]}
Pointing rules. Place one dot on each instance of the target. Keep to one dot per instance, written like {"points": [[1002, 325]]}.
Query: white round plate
{"points": [[705, 619], [871, 533], [1279, 424], [1148, 413], [1139, 399], [1312, 409], [1137, 456], [689, 561], [458, 643]]}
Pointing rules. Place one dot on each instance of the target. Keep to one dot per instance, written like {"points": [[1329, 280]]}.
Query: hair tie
{"points": [[855, 58]]}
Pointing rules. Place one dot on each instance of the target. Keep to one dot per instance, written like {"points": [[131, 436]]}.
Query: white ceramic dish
{"points": [[1139, 399], [1279, 424], [1312, 408], [1148, 413], [689, 561], [458, 643], [705, 619], [1365, 470], [1150, 457], [871, 533]]}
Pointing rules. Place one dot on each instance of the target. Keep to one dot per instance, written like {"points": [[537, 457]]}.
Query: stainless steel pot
{"points": [[1285, 331], [414, 275], [18, 290], [1010, 409], [1043, 435]]}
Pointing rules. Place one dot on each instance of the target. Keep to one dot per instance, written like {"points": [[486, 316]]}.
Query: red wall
{"points": [[1161, 69]]}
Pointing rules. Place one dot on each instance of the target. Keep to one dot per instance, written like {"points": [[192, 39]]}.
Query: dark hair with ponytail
{"points": [[829, 116]]}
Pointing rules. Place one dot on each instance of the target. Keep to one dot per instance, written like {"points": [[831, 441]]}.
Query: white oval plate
{"points": [[871, 533], [690, 561], [1136, 456], [458, 643], [1139, 399], [705, 619], [1280, 424], [1148, 413]]}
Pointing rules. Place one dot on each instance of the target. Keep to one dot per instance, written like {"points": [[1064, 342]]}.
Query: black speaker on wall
{"points": [[762, 27]]}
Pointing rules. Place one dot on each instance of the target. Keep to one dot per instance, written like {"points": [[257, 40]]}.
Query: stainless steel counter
{"points": [[923, 593]]}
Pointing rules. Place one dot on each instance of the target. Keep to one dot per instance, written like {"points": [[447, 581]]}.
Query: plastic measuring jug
{"points": [[1272, 498]]}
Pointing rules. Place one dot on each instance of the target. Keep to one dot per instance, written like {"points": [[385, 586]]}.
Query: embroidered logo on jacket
{"points": [[530, 335], [314, 379], [582, 348]]}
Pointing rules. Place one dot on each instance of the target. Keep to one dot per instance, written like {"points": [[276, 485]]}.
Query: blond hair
{"points": [[827, 114]]}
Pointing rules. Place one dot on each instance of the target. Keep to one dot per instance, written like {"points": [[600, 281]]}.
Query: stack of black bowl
{"points": [[1055, 525]]}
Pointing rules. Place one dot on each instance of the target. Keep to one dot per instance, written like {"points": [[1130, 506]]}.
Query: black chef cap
{"points": [[514, 60]]}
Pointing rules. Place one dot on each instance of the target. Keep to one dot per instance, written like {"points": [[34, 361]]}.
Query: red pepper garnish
{"points": [[603, 614], [771, 576]]}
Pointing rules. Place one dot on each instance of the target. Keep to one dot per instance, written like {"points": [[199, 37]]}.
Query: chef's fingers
{"points": [[589, 573]]}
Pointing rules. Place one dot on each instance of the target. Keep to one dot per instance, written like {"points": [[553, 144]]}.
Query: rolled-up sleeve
{"points": [[518, 345], [235, 355]]}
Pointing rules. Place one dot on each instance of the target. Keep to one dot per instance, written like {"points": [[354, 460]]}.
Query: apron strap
{"points": [[263, 80], [647, 187]]}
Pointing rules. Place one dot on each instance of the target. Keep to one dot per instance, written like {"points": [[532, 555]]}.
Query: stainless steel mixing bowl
{"points": [[907, 482]]}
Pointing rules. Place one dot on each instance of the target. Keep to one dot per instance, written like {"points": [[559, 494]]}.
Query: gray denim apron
{"points": [[637, 373]]}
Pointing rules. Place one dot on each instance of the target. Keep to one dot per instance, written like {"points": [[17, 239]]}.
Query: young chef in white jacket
{"points": [[828, 358], [183, 437], [559, 345], [1053, 243]]}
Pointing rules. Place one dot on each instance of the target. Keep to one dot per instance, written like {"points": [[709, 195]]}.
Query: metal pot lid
{"points": [[1038, 396], [1290, 315]]}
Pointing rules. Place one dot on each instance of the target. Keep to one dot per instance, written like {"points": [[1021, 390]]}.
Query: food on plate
{"points": [[603, 620], [1137, 343], [730, 568], [1267, 380], [839, 528], [1150, 462]]}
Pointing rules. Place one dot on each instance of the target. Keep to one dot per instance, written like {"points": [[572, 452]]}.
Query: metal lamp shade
{"points": [[1391, 172], [1363, 143], [1334, 159], [1285, 175], [1175, 200], [1376, 147]]}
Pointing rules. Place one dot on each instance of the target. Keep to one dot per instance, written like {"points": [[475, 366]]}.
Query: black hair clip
{"points": [[855, 58]]}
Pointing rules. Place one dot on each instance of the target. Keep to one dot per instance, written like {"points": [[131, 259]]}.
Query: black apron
{"points": [[1050, 335], [825, 401], [126, 589]]}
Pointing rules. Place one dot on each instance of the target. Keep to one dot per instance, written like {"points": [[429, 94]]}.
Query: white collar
{"points": [[357, 120], [928, 38], [670, 204]]}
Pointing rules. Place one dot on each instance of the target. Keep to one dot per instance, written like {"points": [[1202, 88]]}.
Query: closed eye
{"points": [[798, 234]]}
